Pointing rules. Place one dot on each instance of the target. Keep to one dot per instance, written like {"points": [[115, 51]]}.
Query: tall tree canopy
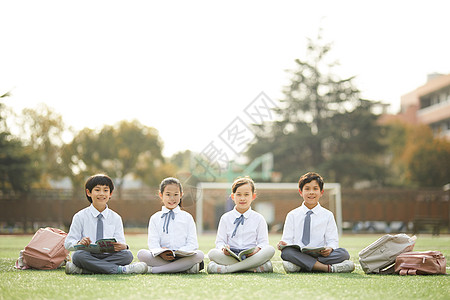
{"points": [[16, 169], [42, 130], [127, 148], [324, 125], [416, 157]]}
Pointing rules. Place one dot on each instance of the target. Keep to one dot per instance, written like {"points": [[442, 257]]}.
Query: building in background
{"points": [[429, 104]]}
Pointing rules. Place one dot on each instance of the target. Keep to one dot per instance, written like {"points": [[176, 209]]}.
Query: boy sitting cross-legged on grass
{"points": [[312, 226], [96, 222]]}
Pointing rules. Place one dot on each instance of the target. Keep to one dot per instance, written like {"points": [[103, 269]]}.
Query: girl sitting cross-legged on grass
{"points": [[239, 230], [172, 236]]}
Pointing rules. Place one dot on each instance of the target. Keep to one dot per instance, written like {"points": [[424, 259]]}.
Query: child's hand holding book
{"points": [[256, 250], [119, 246]]}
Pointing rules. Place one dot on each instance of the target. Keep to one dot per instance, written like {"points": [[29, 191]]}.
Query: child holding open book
{"points": [[96, 223], [310, 236], [242, 242], [172, 236]]}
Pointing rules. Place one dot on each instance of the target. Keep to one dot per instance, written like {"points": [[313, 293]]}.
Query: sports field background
{"points": [[55, 284]]}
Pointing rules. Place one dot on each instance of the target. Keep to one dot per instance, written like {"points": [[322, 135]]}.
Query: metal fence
{"points": [[380, 210]]}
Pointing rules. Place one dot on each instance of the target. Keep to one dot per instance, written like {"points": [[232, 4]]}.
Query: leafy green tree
{"points": [[42, 131], [430, 164], [416, 157], [16, 168], [182, 160], [78, 158], [324, 125], [127, 148]]}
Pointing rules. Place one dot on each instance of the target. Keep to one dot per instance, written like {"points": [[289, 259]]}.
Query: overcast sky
{"points": [[190, 68]]}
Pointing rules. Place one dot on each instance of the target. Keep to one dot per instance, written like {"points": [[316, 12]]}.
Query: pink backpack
{"points": [[420, 263], [46, 249]]}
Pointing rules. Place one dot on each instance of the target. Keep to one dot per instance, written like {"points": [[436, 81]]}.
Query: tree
{"points": [[42, 131], [127, 148], [430, 164], [16, 168], [324, 125], [417, 158]]}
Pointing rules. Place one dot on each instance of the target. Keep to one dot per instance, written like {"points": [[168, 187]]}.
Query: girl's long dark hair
{"points": [[171, 180]]}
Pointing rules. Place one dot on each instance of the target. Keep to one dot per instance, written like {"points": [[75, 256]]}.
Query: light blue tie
{"points": [[99, 227], [307, 228], [239, 220], [167, 216]]}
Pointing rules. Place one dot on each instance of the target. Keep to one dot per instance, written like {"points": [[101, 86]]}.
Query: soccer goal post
{"points": [[214, 194]]}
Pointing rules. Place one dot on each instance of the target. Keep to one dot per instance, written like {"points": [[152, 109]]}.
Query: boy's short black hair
{"points": [[98, 179], [308, 177]]}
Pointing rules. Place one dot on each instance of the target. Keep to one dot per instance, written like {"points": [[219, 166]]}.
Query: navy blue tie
{"points": [[99, 227], [239, 220], [307, 228], [167, 216]]}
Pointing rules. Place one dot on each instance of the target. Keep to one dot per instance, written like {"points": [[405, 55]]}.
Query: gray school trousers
{"points": [[102, 263], [306, 262]]}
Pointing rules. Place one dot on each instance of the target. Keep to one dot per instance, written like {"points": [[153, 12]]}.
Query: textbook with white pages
{"points": [[313, 251], [100, 246], [241, 255], [176, 253]]}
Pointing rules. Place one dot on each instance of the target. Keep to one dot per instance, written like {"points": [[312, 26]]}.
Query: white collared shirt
{"points": [[84, 224], [324, 231], [253, 233], [182, 234]]}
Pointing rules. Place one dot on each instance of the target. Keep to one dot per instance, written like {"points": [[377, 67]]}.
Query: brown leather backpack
{"points": [[46, 249], [420, 263]]}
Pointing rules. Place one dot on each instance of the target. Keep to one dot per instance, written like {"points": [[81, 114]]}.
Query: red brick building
{"points": [[429, 104]]}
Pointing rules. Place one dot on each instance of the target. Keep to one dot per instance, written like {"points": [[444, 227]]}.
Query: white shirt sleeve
{"points": [[262, 233], [331, 233], [75, 232], [119, 234], [153, 234], [191, 239], [288, 230], [221, 238]]}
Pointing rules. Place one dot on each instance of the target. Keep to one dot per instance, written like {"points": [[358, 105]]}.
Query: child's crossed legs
{"points": [[309, 263], [231, 265], [160, 265]]}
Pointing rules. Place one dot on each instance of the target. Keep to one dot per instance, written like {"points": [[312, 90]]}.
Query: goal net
{"points": [[273, 201]]}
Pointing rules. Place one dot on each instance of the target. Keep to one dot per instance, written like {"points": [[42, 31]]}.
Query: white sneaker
{"points": [[149, 270], [214, 268], [265, 267], [71, 268], [195, 269], [135, 268], [290, 267], [347, 266]]}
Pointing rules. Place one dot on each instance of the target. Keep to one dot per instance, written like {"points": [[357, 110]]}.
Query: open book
{"points": [[313, 251], [100, 246], [241, 255], [176, 253]]}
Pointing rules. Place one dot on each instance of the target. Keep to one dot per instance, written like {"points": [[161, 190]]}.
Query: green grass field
{"points": [[55, 284]]}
